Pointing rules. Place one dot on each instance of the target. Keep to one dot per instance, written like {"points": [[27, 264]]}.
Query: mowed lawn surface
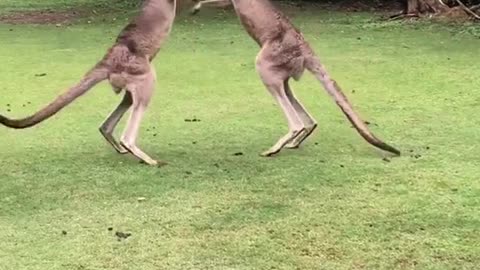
{"points": [[332, 204]]}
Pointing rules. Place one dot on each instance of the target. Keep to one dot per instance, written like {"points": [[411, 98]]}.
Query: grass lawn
{"points": [[332, 204]]}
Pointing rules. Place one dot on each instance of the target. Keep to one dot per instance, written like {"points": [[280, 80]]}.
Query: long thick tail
{"points": [[90, 79], [314, 65]]}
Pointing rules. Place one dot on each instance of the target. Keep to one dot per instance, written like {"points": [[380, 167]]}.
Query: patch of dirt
{"points": [[42, 17], [346, 5]]}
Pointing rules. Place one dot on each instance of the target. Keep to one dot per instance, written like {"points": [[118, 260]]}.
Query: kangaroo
{"points": [[285, 54], [127, 66]]}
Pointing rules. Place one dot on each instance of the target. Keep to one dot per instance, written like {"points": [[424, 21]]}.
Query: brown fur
{"points": [[127, 66], [286, 54]]}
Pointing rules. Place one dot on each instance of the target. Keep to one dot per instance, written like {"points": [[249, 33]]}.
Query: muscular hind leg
{"points": [[308, 121], [108, 126], [295, 125], [141, 94]]}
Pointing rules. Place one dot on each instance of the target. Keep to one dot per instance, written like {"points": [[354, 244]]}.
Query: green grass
{"points": [[333, 204]]}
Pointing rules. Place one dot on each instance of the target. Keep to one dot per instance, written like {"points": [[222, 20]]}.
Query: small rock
{"points": [[141, 199], [122, 235], [110, 229], [238, 154], [64, 232]]}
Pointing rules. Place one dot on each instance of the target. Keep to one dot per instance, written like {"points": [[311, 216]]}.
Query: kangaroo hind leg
{"points": [[273, 81], [108, 126], [141, 92], [309, 122]]}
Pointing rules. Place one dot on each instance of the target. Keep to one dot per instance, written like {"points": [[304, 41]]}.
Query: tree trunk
{"points": [[423, 7], [449, 9]]}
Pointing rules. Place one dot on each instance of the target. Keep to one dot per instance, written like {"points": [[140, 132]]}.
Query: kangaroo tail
{"points": [[90, 79], [316, 68]]}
